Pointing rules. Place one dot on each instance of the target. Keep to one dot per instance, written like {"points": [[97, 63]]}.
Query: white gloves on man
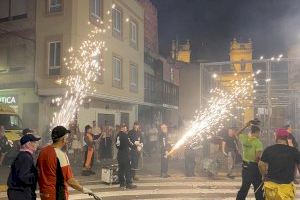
{"points": [[86, 190]]}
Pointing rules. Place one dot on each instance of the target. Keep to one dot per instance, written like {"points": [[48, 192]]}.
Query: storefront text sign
{"points": [[9, 99]]}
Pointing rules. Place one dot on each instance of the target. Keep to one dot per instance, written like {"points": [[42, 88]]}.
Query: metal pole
{"points": [[269, 100], [201, 85]]}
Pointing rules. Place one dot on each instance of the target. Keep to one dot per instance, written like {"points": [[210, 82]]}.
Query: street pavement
{"points": [[151, 186], [176, 187]]}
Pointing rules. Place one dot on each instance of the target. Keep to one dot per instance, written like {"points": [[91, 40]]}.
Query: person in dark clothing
{"points": [[292, 142], [123, 144], [291, 139], [106, 143], [135, 137], [277, 165], [27, 131], [5, 145], [89, 150], [190, 155], [164, 148], [22, 179], [230, 150]]}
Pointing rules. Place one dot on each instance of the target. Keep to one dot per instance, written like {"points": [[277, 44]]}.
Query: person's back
{"points": [[281, 160], [18, 180], [122, 143], [54, 171]]}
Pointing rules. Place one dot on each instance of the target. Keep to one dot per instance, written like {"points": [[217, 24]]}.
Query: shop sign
{"points": [[9, 99]]}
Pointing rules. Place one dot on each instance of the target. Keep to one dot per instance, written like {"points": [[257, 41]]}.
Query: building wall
{"points": [[17, 48], [71, 26], [189, 91], [170, 72], [151, 26], [17, 52]]}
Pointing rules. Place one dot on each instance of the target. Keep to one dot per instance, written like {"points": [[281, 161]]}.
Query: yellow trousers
{"points": [[274, 191]]}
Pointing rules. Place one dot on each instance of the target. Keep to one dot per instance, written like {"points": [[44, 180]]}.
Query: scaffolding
{"points": [[276, 97]]}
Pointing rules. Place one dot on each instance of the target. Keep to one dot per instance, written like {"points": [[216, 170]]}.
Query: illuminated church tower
{"points": [[240, 52], [181, 52]]}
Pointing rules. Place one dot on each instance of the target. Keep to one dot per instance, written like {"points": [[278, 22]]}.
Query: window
{"points": [[54, 58], [172, 74], [117, 71], [95, 9], [133, 78], [117, 22], [13, 10], [97, 61], [16, 57], [54, 6], [133, 32]]}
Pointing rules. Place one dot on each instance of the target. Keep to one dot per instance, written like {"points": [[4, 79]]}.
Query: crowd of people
{"points": [[272, 171]]}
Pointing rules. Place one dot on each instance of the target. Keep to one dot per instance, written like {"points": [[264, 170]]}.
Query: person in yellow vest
{"points": [[277, 165]]}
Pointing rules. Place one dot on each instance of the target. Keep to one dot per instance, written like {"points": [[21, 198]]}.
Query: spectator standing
{"points": [[230, 150], [89, 150], [136, 139], [164, 148], [252, 148], [277, 166], [123, 144], [54, 170], [5, 145], [106, 143], [22, 178]]}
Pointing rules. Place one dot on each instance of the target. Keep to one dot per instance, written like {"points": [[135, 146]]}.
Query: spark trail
{"points": [[84, 66], [219, 109]]}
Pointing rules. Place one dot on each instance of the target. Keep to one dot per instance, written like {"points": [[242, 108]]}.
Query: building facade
{"points": [[59, 25], [161, 78], [17, 53]]}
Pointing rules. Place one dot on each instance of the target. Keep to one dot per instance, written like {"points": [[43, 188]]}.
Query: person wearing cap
{"points": [[135, 137], [54, 170], [123, 144], [277, 166], [252, 148], [27, 131], [22, 178]]}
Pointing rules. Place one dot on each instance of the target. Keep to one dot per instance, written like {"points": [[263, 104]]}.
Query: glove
{"points": [[86, 190]]}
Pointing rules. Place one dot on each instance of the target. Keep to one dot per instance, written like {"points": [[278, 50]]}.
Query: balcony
{"points": [[158, 91]]}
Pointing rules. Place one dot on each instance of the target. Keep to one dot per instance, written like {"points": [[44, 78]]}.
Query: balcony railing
{"points": [[158, 91]]}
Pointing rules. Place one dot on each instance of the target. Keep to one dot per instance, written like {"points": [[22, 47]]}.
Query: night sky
{"points": [[273, 25]]}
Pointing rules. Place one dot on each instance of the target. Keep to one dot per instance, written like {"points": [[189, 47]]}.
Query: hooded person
{"points": [[22, 178], [54, 170]]}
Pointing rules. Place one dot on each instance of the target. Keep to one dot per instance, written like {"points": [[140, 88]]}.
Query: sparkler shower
{"points": [[85, 67], [219, 108]]}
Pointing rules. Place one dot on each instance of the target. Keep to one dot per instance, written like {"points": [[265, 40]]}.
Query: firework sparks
{"points": [[85, 67], [219, 109]]}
